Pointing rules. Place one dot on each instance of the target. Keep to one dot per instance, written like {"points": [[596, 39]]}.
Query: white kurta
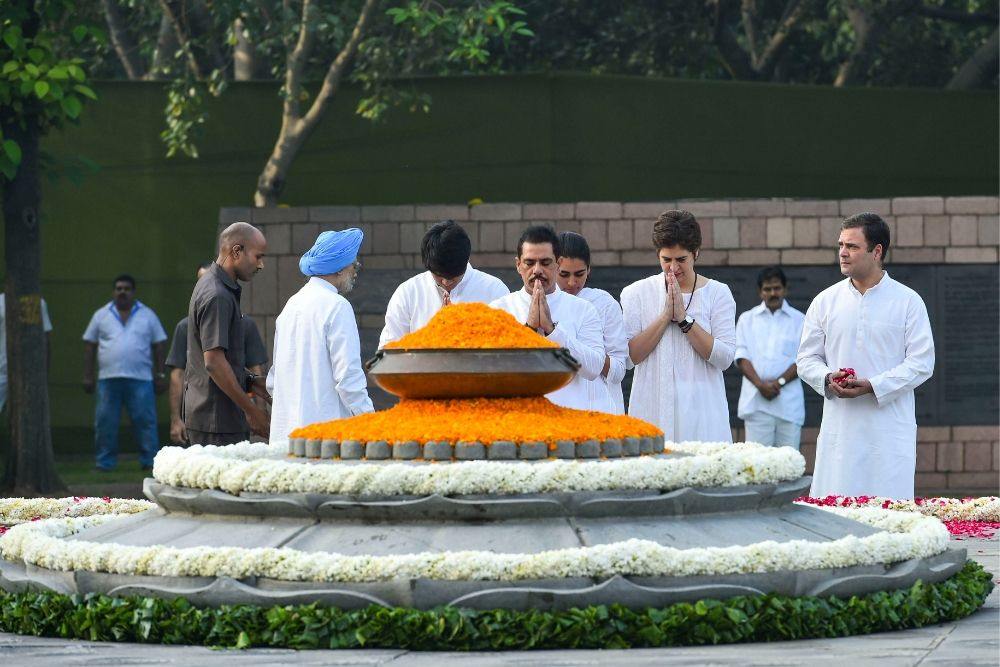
{"points": [[578, 329], [770, 341], [317, 374], [615, 346], [673, 387], [867, 445], [417, 300]]}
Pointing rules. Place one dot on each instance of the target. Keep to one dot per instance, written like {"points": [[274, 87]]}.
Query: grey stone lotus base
{"points": [[686, 518], [352, 450], [551, 594]]}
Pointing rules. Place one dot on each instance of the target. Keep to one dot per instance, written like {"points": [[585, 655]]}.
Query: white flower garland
{"points": [[262, 468], [902, 536], [18, 510], [986, 508]]}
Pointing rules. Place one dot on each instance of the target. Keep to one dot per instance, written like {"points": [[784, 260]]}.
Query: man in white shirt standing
{"points": [[127, 343], [317, 374], [449, 278], [866, 345], [568, 320], [767, 339]]}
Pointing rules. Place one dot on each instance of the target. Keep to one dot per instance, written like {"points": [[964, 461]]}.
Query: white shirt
{"points": [[673, 387], [317, 374], [123, 350], [578, 329], [416, 301], [46, 326], [615, 345], [770, 341], [867, 445]]}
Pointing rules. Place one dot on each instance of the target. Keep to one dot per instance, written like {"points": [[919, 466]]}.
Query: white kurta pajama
{"points": [[578, 329], [317, 374], [674, 387], [867, 445], [418, 299], [615, 346]]}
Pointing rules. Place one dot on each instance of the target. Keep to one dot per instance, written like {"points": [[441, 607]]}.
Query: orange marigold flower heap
{"points": [[472, 326], [484, 420]]}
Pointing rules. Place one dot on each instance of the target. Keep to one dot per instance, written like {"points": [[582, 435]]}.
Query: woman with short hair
{"points": [[681, 328], [574, 270]]}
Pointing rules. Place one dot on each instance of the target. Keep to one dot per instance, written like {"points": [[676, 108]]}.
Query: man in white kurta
{"points": [[565, 319], [867, 441], [449, 278], [317, 374]]}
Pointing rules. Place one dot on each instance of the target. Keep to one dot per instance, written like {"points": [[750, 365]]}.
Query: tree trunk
{"points": [[30, 469], [980, 68], [163, 55], [123, 43], [244, 54]]}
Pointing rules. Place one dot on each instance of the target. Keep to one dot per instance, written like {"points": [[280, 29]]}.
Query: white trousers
{"points": [[772, 431]]}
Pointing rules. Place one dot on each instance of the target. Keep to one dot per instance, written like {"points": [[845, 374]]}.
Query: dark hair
{"points": [[770, 273], [445, 249], [124, 278], [875, 229], [574, 246], [677, 228], [539, 234]]}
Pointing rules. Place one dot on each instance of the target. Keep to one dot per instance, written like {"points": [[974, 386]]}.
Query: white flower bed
{"points": [[903, 536], [18, 510], [263, 468], [986, 508]]}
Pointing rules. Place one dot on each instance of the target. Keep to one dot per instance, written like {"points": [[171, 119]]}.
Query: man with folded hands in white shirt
{"points": [[866, 345], [767, 339], [449, 278], [568, 320]]}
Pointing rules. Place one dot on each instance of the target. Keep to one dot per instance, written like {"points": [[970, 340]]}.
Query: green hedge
{"points": [[740, 619]]}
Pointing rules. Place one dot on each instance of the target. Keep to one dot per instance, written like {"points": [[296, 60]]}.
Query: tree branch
{"points": [[297, 62], [732, 55], [331, 82], [868, 29], [980, 68], [166, 44], [794, 11], [122, 42], [190, 24], [748, 10]]}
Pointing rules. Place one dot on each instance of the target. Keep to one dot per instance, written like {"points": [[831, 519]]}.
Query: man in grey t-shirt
{"points": [[217, 405], [256, 357]]}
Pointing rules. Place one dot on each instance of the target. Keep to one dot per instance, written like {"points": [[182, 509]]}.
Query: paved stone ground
{"points": [[971, 641]]}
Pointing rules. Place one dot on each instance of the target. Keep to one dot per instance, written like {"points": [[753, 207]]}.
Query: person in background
{"points": [[562, 318], [449, 278], [317, 374], [46, 327], [866, 345], [574, 271], [218, 408], [767, 340], [256, 357], [126, 342], [681, 328]]}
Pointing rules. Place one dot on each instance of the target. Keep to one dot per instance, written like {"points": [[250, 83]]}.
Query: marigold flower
{"points": [[471, 326]]}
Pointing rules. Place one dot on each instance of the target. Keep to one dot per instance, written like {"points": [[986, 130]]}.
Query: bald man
{"points": [[218, 408]]}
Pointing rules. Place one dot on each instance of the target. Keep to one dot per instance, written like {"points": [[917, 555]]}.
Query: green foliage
{"points": [[39, 79], [740, 619]]}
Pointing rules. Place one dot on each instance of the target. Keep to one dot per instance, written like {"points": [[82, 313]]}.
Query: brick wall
{"points": [[751, 232]]}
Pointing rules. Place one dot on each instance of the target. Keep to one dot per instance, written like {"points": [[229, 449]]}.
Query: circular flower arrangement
{"points": [[966, 517], [263, 468], [471, 326], [902, 536]]}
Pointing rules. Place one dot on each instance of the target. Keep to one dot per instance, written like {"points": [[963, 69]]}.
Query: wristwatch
{"points": [[248, 383], [782, 381], [686, 324]]}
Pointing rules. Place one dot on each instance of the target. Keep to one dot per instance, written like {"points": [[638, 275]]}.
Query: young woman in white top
{"points": [[681, 328], [574, 270]]}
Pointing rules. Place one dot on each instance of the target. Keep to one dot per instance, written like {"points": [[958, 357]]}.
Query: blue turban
{"points": [[332, 252]]}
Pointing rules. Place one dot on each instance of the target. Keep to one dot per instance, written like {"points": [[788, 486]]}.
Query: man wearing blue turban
{"points": [[317, 374]]}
